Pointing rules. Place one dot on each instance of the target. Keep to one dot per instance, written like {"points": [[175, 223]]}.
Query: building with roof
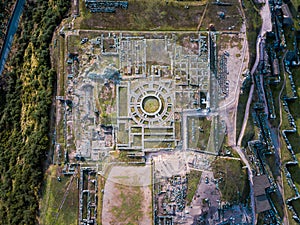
{"points": [[260, 184], [275, 67], [287, 15]]}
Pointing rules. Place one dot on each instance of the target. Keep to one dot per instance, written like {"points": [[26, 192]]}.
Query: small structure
{"points": [[287, 15], [221, 15], [260, 184], [275, 66], [101, 6]]}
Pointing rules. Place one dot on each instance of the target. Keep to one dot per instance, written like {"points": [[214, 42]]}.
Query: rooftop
{"points": [[262, 203], [260, 183]]}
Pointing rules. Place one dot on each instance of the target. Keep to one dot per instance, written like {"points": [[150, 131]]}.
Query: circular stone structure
{"points": [[151, 102], [151, 105]]}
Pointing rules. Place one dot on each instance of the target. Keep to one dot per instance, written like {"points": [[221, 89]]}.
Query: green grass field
{"points": [[101, 184], [243, 98], [234, 186], [277, 201], [288, 193], [163, 15], [249, 132], [201, 127], [294, 170], [254, 23], [293, 6], [296, 205], [145, 15], [294, 140], [53, 196], [130, 207], [232, 21], [193, 181]]}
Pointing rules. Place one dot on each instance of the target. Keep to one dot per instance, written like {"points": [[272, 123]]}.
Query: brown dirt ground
{"points": [[127, 204]]}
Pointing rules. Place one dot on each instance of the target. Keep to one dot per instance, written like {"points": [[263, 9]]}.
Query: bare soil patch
{"points": [[127, 204]]}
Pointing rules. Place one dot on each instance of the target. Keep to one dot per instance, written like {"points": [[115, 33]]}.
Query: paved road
{"points": [[12, 28]]}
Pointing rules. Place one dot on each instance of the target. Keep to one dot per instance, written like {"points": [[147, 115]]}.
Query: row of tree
{"points": [[26, 90]]}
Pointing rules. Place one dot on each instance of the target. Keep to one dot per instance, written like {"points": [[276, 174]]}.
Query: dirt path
{"points": [[266, 26], [202, 17]]}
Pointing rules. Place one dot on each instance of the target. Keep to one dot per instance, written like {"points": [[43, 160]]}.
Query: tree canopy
{"points": [[26, 90]]}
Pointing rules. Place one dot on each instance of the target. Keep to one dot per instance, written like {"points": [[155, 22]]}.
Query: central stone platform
{"points": [[151, 101], [151, 105]]}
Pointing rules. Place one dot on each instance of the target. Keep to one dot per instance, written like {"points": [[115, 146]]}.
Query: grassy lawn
{"points": [[288, 87], [294, 170], [61, 82], [243, 98], [295, 106], [122, 156], [285, 153], [130, 207], [294, 140], [122, 135], [296, 205], [74, 43], [271, 161], [101, 184], [277, 201], [106, 100], [52, 198], [288, 193], [289, 37], [293, 6], [291, 220], [249, 132], [193, 181], [198, 132], [151, 104], [254, 23], [123, 108], [178, 129], [146, 15], [234, 186], [233, 19]]}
